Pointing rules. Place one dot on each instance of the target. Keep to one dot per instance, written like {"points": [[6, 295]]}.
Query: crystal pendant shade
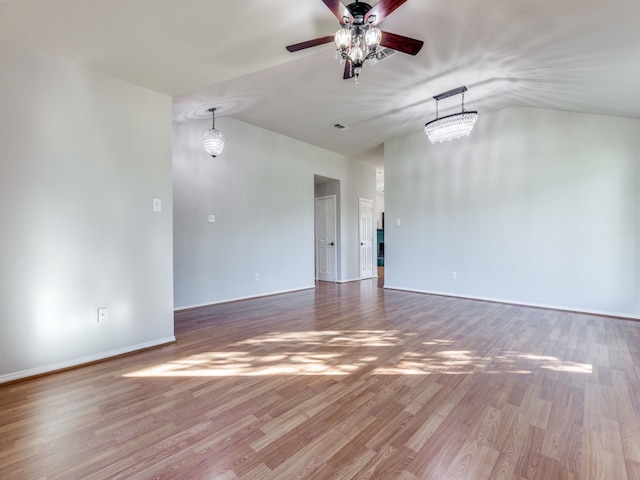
{"points": [[356, 55], [212, 139], [373, 37], [451, 127], [343, 38]]}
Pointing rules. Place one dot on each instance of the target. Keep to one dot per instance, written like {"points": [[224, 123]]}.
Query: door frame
{"points": [[360, 243], [334, 197]]}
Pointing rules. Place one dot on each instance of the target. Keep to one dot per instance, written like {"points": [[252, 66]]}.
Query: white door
{"points": [[326, 238], [366, 238]]}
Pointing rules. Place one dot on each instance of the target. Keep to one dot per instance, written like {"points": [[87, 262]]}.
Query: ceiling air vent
{"points": [[385, 53], [339, 126]]}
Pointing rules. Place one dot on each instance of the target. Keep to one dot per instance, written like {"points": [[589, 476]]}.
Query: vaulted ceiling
{"points": [[577, 55]]}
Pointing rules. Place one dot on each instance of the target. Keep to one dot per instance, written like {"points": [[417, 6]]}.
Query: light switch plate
{"points": [[157, 205]]}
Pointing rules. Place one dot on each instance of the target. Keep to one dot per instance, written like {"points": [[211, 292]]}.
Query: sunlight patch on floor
{"points": [[332, 353], [346, 338], [225, 364]]}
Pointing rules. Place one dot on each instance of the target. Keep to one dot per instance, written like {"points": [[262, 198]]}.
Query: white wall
{"points": [[536, 206], [261, 190], [83, 155]]}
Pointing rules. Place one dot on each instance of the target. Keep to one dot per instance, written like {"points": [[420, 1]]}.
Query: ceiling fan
{"points": [[358, 38]]}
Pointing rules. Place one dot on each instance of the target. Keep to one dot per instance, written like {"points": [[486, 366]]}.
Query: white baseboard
{"points": [[227, 300], [604, 313], [76, 362]]}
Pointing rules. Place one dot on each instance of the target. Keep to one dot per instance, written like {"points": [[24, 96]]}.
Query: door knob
{"points": [[331, 244]]}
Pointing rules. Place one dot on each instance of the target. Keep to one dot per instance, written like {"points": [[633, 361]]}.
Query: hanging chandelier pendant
{"points": [[212, 139], [452, 126]]}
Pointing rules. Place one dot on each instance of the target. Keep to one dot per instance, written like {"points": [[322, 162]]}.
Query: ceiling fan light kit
{"points": [[212, 139], [359, 40], [451, 126]]}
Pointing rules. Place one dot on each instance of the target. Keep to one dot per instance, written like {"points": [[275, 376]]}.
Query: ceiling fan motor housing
{"points": [[358, 10]]}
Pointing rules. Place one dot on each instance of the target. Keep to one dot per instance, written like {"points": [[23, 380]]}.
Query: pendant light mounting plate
{"points": [[450, 93]]}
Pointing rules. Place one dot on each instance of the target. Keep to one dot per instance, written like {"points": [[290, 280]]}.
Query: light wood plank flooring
{"points": [[340, 382]]}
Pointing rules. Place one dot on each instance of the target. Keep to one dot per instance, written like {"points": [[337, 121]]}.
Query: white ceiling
{"points": [[577, 55]]}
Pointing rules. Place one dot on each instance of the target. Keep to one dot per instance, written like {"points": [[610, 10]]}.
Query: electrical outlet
{"points": [[257, 276], [103, 314], [212, 219]]}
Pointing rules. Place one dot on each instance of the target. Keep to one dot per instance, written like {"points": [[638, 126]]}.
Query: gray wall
{"points": [[261, 190], [83, 155], [536, 206]]}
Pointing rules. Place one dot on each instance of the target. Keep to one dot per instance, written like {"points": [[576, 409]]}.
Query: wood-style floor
{"points": [[340, 382]]}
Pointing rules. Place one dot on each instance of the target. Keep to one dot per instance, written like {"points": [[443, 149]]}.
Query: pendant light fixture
{"points": [[212, 139], [451, 126]]}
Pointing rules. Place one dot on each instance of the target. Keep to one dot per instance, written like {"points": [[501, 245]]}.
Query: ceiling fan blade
{"points": [[400, 43], [337, 7], [382, 9], [310, 43], [348, 71]]}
